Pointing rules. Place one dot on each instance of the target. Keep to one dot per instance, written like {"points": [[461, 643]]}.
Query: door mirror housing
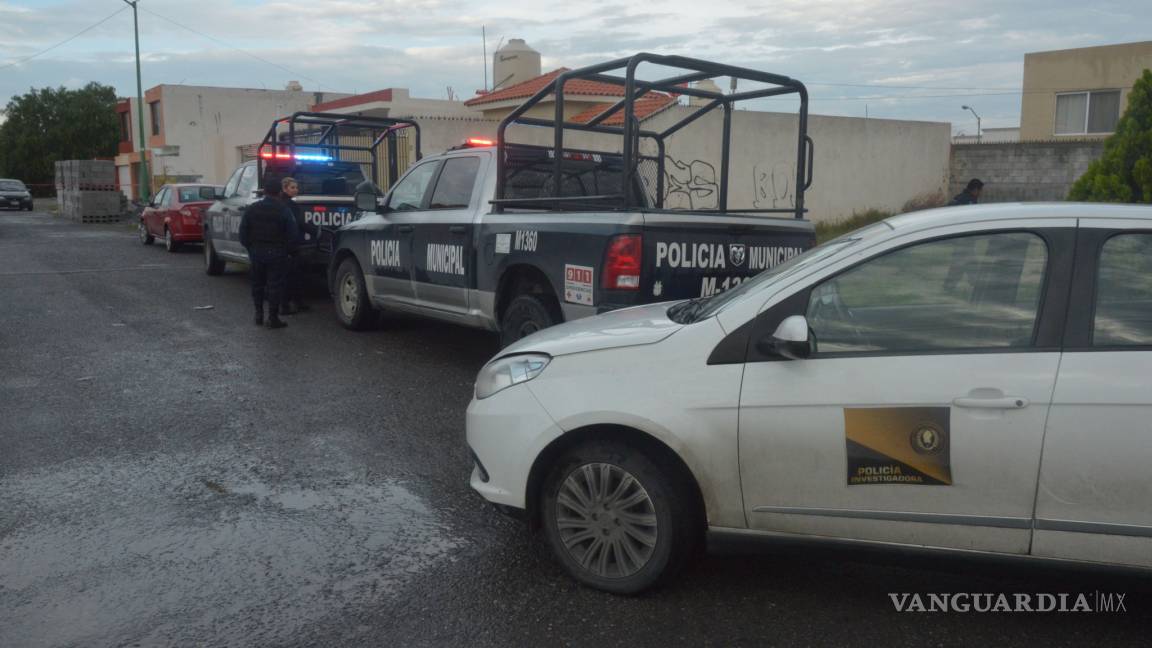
{"points": [[366, 201], [792, 339]]}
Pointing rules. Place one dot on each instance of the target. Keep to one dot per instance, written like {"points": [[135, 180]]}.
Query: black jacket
{"points": [[302, 227], [963, 198], [268, 223]]}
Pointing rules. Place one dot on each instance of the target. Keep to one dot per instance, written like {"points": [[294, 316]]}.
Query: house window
{"points": [[1080, 113], [154, 107], [125, 128]]}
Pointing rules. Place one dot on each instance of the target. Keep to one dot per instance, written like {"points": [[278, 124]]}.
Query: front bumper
{"points": [[506, 432]]}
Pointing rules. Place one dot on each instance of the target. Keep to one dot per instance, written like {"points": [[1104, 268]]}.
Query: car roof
{"points": [[1000, 211], [11, 180]]}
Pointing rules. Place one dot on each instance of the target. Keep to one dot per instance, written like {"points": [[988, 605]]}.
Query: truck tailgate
{"points": [[694, 255]]}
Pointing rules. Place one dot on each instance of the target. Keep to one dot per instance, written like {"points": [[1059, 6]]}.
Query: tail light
{"points": [[190, 215], [622, 262]]}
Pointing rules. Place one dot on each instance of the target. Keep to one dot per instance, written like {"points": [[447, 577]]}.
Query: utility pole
{"points": [[145, 186]]}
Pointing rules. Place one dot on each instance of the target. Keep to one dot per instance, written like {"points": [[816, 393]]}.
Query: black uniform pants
{"points": [[268, 273], [294, 286]]}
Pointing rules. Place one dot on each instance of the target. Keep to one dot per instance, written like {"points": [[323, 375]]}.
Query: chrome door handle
{"points": [[1006, 402]]}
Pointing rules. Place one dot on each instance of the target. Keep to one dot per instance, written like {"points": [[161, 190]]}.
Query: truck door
{"points": [[391, 281], [226, 234], [443, 250]]}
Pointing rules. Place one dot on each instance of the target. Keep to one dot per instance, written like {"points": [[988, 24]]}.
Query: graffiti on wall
{"points": [[690, 185], [772, 186]]}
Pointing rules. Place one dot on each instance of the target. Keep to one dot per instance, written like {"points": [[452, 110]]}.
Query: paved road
{"points": [[171, 474]]}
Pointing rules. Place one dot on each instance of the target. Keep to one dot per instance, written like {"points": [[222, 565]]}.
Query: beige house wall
{"points": [[1047, 74]]}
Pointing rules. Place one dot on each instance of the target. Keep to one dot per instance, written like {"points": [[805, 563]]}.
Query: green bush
{"points": [[829, 231], [1123, 174]]}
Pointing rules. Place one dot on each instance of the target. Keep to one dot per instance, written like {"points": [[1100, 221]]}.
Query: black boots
{"points": [[292, 307], [274, 321]]}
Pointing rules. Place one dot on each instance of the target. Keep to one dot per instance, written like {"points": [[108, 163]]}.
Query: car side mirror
{"points": [[365, 201], [792, 339]]}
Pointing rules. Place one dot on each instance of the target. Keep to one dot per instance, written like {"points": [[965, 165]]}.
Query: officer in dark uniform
{"points": [[269, 232], [970, 195], [294, 288]]}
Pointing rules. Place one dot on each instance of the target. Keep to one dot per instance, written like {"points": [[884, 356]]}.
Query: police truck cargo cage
{"points": [[516, 237], [330, 156]]}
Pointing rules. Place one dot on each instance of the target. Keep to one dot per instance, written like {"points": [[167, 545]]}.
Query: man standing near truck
{"points": [[294, 288], [268, 231], [970, 195]]}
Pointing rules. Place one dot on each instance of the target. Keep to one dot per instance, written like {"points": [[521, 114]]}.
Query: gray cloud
{"points": [[428, 45]]}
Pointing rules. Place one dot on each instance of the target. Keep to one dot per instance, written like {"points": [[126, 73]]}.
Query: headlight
{"points": [[505, 372]]}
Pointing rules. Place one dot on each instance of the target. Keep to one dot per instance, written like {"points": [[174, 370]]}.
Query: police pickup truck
{"points": [[515, 238], [330, 156]]}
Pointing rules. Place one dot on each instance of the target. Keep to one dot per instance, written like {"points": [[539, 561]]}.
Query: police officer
{"points": [[294, 288], [970, 195], [269, 232]]}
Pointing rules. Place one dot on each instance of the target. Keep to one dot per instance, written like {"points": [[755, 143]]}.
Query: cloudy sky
{"points": [[904, 59]]}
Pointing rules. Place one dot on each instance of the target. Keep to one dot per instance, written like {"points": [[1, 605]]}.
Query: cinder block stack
{"points": [[86, 191]]}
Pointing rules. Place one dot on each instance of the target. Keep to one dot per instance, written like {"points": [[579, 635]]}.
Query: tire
{"points": [[145, 237], [213, 264], [525, 315], [353, 308], [170, 244], [648, 541]]}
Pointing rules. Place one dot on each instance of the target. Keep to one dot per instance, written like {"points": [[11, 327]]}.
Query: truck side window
{"points": [[409, 193], [247, 181], [454, 187], [230, 188], [1124, 292]]}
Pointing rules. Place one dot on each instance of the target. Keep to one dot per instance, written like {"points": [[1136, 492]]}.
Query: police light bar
{"points": [[478, 141], [303, 157]]}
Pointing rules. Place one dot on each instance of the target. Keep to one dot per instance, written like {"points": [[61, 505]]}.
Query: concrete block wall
{"points": [[1022, 171]]}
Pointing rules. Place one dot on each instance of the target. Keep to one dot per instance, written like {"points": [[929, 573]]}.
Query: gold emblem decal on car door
{"points": [[898, 445]]}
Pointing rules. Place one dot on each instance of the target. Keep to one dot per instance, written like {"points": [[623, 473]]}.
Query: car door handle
{"points": [[404, 229], [458, 229], [1003, 402]]}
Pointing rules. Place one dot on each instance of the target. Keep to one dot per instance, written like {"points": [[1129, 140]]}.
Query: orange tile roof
{"points": [[646, 106], [526, 89]]}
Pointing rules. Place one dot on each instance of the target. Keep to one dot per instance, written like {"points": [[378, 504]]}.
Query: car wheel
{"points": [[525, 315], [145, 237], [353, 309], [213, 264], [617, 520], [169, 243]]}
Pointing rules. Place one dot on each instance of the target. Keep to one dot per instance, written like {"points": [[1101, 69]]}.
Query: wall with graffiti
{"points": [[859, 163]]}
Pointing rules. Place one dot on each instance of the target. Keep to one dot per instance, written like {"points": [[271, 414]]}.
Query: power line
{"points": [[232, 47], [66, 40]]}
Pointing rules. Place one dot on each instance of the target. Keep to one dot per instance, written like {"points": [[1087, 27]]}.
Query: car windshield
{"points": [[197, 194], [12, 185], [697, 309]]}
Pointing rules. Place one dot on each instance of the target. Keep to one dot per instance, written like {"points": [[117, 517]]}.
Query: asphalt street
{"points": [[171, 474]]}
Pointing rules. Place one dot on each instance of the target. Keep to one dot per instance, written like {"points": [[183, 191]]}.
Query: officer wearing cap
{"points": [[268, 230]]}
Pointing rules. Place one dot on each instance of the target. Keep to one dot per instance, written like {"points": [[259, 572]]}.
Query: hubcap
{"points": [[143, 232], [606, 520], [349, 296]]}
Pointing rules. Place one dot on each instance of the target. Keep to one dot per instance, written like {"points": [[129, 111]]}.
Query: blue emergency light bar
{"points": [[303, 157]]}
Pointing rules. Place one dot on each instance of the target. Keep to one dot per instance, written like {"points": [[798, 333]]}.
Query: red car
{"points": [[176, 214]]}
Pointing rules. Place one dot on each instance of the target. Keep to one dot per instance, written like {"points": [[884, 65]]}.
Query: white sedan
{"points": [[972, 378]]}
